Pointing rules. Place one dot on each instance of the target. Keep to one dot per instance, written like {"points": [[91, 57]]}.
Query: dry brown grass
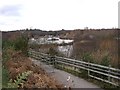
{"points": [[38, 79], [107, 47], [103, 44]]}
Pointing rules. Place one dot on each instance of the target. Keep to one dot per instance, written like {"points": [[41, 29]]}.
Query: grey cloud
{"points": [[10, 10]]}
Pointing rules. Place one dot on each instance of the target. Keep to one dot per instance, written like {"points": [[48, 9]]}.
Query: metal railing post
{"points": [[109, 73], [88, 69], [91, 68]]}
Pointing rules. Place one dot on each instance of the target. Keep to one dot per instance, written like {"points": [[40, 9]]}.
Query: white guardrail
{"points": [[99, 72]]}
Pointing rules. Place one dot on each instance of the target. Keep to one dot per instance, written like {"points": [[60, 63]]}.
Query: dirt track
{"points": [[61, 76]]}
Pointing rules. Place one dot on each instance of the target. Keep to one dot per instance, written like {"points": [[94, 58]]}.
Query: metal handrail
{"points": [[96, 68]]}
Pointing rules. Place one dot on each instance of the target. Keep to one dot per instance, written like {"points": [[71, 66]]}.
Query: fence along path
{"points": [[103, 73]]}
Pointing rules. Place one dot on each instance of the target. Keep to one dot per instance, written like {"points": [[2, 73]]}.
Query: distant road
{"points": [[62, 76]]}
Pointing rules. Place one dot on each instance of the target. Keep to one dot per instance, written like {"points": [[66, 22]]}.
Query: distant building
{"points": [[86, 28]]}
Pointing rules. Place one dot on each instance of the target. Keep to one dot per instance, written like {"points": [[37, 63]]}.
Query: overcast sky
{"points": [[58, 14]]}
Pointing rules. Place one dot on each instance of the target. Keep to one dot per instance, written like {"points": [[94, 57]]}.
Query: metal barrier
{"points": [[99, 72]]}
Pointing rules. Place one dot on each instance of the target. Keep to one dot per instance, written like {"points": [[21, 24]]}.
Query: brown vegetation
{"points": [[97, 42], [18, 64]]}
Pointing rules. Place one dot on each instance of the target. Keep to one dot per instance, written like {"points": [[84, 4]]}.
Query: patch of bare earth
{"points": [[37, 79]]}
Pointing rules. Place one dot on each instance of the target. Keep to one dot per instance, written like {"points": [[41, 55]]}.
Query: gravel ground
{"points": [[65, 78]]}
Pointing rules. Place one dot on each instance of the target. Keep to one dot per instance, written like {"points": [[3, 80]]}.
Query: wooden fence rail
{"points": [[99, 72]]}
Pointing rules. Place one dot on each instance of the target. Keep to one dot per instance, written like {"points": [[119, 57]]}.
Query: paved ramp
{"points": [[65, 78]]}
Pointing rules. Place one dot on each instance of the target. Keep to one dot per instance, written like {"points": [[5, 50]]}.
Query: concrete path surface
{"points": [[65, 78]]}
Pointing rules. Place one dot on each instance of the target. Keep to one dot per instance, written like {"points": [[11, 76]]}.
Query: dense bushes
{"points": [[105, 61], [21, 44], [8, 49], [87, 57], [52, 51]]}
